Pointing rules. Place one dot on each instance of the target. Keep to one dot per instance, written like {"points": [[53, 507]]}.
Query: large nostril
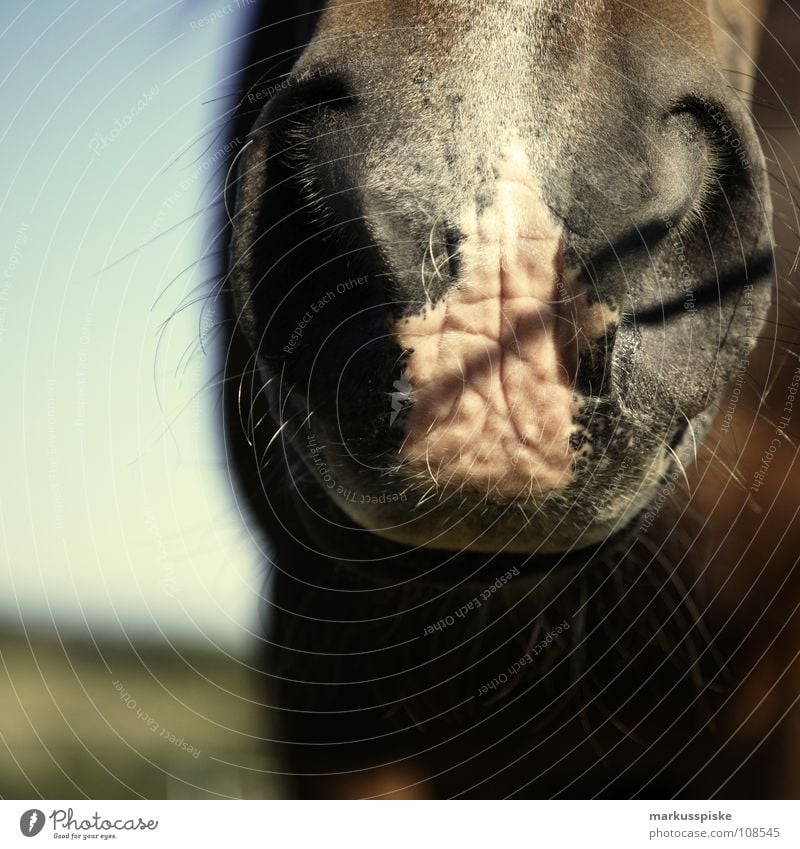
{"points": [[305, 95], [320, 89]]}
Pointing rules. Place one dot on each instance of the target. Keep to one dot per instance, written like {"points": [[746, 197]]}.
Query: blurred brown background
{"points": [[752, 537]]}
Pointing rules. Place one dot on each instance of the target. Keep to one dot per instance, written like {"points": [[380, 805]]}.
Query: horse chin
{"points": [[558, 527]]}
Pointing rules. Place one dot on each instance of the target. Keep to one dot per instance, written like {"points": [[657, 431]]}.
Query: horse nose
{"points": [[315, 87], [492, 368]]}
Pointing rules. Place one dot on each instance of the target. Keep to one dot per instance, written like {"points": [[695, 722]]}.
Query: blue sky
{"points": [[114, 504]]}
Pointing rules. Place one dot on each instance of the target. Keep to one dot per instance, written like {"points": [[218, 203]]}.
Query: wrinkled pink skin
{"points": [[492, 365]]}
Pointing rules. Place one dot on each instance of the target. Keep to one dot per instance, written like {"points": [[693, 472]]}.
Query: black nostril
{"points": [[304, 95], [321, 89]]}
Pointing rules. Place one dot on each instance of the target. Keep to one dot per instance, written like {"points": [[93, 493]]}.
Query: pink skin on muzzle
{"points": [[491, 365]]}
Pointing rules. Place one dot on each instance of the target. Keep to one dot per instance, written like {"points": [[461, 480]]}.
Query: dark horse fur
{"points": [[589, 666]]}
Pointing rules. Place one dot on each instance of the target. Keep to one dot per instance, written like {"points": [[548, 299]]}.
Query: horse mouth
{"points": [[509, 408], [606, 493]]}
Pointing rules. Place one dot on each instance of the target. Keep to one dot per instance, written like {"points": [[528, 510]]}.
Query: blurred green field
{"points": [[118, 721]]}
